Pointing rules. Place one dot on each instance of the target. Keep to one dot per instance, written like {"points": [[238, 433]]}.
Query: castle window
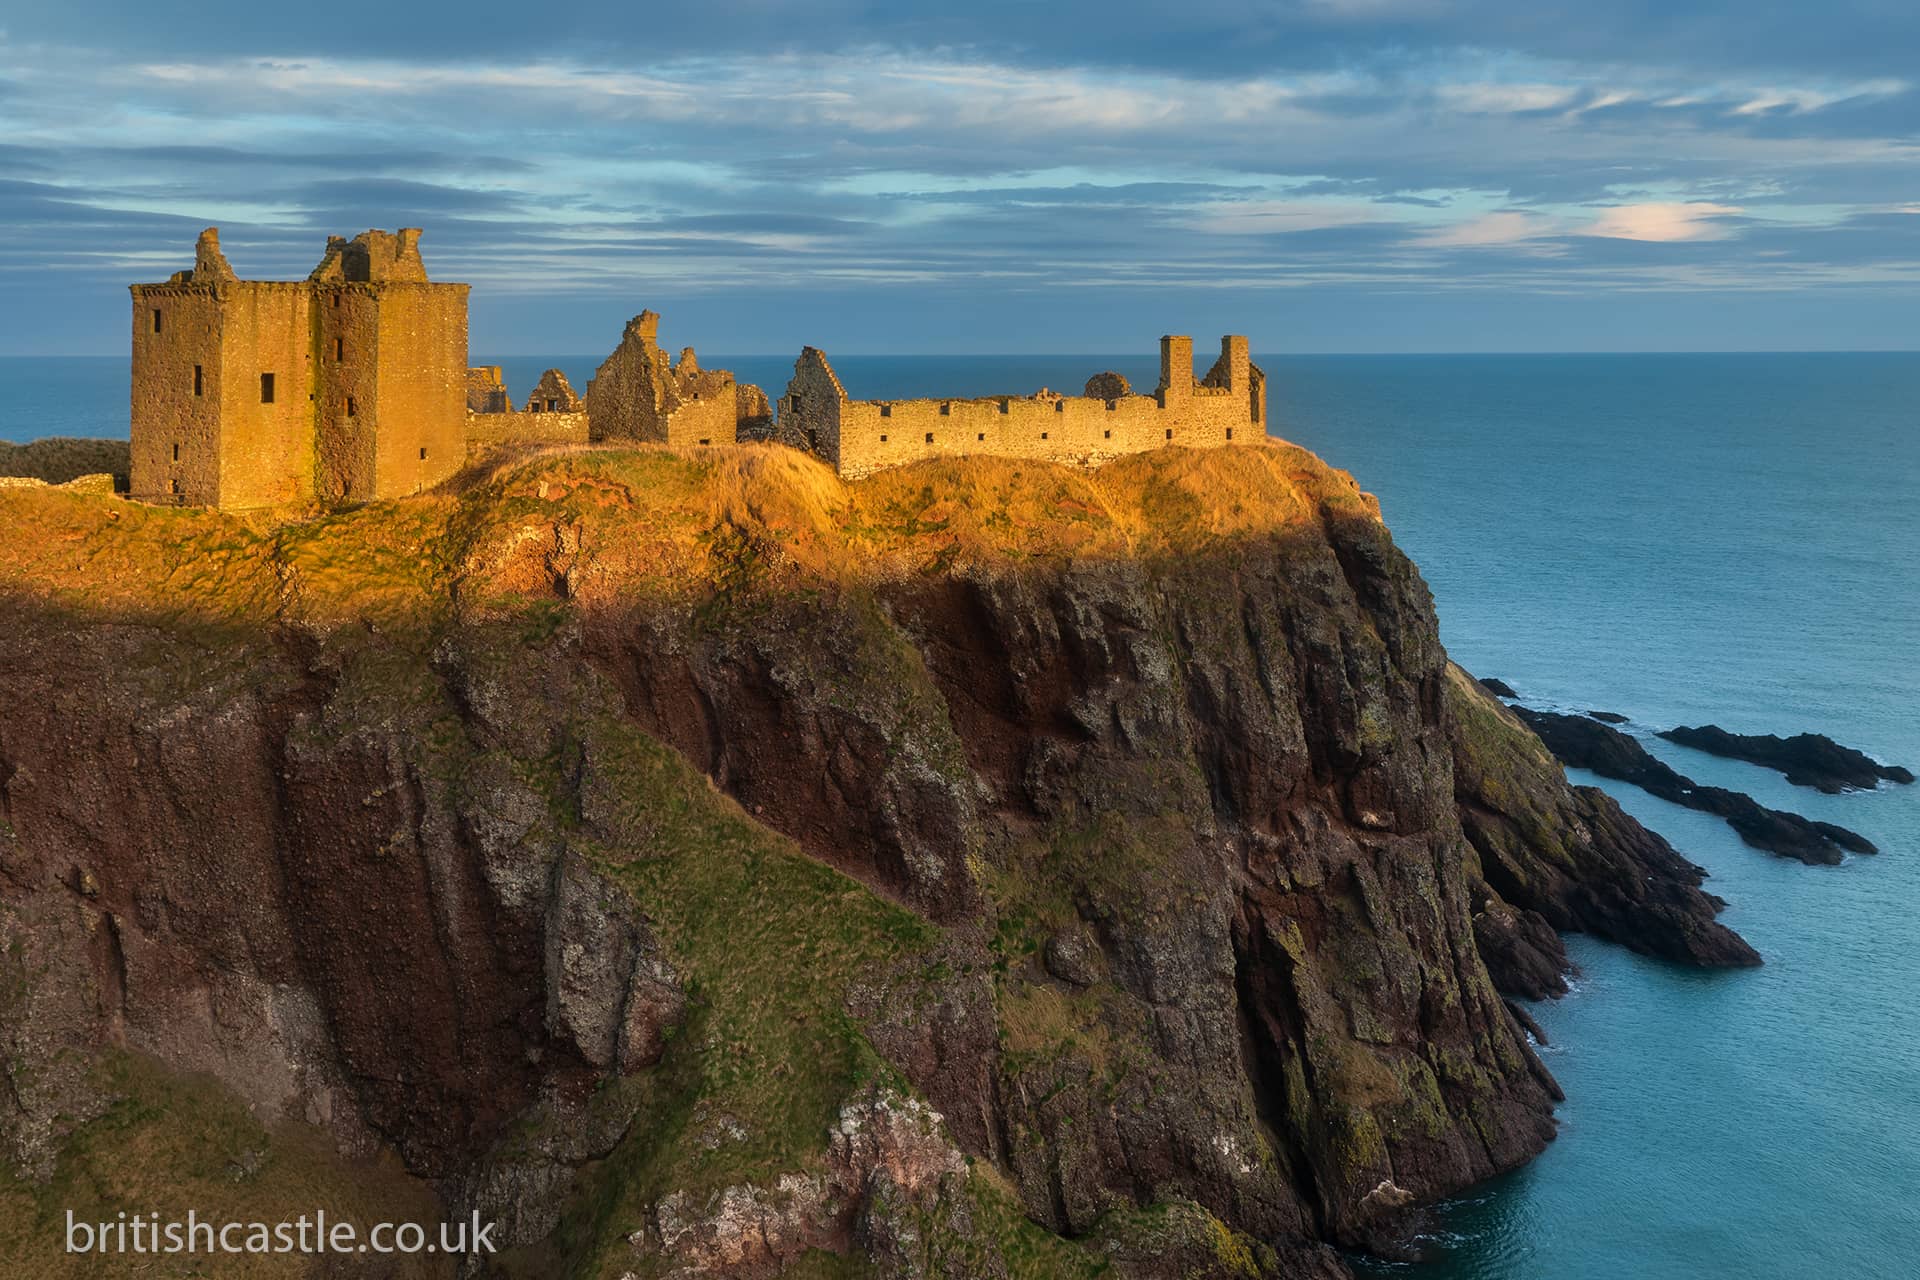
{"points": [[350, 406], [883, 439], [339, 348], [945, 408], [1112, 405], [336, 298], [199, 381], [156, 319], [1003, 404], [1043, 435], [981, 436], [1229, 433], [1107, 434], [553, 406], [886, 411], [1169, 433], [929, 437], [266, 388], [423, 453], [706, 442], [176, 453], [176, 486], [1059, 406]]}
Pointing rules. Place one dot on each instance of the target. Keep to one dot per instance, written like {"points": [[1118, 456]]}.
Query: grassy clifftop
{"points": [[603, 523]]}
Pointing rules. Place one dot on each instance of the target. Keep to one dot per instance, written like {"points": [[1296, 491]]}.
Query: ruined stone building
{"points": [[638, 393], [553, 414], [348, 386], [1228, 406]]}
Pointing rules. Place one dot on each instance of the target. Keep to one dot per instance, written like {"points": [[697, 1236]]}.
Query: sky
{"points": [[1069, 176]]}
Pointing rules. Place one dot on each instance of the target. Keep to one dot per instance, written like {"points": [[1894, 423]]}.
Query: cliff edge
{"points": [[699, 865]]}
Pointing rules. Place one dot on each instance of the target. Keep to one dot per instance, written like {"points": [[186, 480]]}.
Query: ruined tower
{"points": [[348, 386], [639, 393]]}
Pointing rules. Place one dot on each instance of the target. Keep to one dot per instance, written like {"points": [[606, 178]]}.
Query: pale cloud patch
{"points": [[1664, 222], [1504, 99], [1491, 231]]}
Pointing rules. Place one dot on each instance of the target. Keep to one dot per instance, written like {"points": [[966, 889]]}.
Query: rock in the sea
{"points": [[1499, 688], [1608, 717], [1554, 856], [1808, 759], [1587, 744]]}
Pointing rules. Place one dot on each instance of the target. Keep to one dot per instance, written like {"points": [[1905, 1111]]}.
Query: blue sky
{"points": [[1325, 175]]}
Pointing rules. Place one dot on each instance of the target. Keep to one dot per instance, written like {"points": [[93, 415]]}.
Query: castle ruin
{"points": [[347, 386], [859, 437], [353, 385]]}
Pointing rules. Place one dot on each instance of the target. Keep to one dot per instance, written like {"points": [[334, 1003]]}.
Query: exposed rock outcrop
{"points": [[1553, 857], [1807, 759], [1587, 744]]}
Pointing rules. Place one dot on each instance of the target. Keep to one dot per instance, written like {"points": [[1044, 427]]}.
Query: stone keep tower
{"points": [[345, 387]]}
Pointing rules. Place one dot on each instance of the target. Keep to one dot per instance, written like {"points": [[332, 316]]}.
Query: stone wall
{"points": [[177, 377], [554, 414], [860, 437], [485, 430], [487, 390], [420, 427]]}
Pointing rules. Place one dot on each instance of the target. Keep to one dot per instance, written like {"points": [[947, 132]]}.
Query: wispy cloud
{"points": [[1392, 157], [1665, 222]]}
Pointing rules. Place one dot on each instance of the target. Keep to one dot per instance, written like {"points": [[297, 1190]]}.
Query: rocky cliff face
{"points": [[708, 868]]}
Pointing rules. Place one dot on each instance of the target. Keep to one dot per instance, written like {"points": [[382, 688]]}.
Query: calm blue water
{"points": [[1681, 539]]}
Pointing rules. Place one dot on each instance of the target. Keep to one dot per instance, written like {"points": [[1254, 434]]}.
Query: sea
{"points": [[1679, 539]]}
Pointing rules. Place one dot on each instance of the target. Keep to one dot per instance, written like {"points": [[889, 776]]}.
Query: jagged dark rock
{"points": [[1565, 857], [1608, 717], [1499, 688], [1586, 744], [1807, 759]]}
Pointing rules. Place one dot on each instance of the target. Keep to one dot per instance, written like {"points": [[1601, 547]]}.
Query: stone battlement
{"points": [[859, 437]]}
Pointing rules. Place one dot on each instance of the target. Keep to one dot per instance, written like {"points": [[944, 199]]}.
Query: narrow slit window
{"points": [[266, 388], [156, 319], [199, 381], [1107, 434], [1229, 433], [176, 453], [945, 408], [351, 407], [1169, 433], [929, 437], [423, 454], [339, 348]]}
